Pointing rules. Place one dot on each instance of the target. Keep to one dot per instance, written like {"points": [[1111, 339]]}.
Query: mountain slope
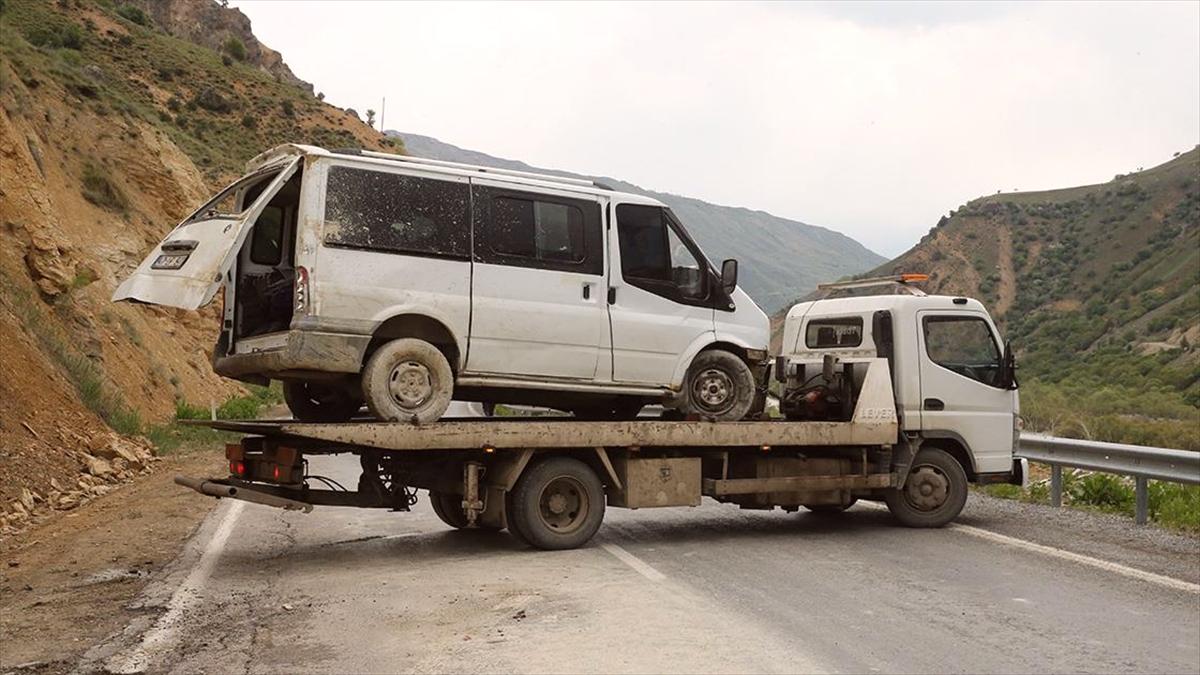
{"points": [[1098, 287], [780, 258], [111, 130]]}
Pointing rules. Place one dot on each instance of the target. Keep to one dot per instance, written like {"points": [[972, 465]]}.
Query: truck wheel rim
{"points": [[563, 505], [410, 384], [713, 390], [927, 488]]}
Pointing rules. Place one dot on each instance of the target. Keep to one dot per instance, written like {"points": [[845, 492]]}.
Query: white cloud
{"points": [[872, 119]]}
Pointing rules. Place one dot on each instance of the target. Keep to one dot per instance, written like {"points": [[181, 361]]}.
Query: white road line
{"points": [[1116, 568], [1079, 558], [161, 637], [633, 561]]}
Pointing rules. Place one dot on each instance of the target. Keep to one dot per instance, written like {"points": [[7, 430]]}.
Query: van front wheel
{"points": [[719, 386], [315, 402], [407, 380]]}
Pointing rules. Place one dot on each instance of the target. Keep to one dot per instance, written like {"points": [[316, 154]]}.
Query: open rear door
{"points": [[186, 268]]}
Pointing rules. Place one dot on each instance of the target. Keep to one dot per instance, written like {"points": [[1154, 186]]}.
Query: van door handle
{"points": [[934, 404], [587, 291], [612, 295]]}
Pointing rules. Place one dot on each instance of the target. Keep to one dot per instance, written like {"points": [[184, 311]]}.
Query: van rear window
{"points": [[845, 332], [393, 212]]}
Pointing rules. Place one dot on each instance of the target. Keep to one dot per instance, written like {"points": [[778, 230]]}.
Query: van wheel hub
{"points": [[927, 488], [713, 389], [410, 384]]}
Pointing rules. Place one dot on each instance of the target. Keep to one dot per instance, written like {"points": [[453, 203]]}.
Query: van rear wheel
{"points": [[719, 386], [407, 380], [316, 402]]}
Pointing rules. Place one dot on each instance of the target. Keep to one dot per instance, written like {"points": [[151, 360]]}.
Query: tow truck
{"points": [[885, 394]]}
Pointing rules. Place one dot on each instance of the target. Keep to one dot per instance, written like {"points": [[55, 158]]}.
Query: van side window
{"points": [[846, 332], [963, 345], [393, 212], [655, 257], [525, 229], [536, 229], [266, 247]]}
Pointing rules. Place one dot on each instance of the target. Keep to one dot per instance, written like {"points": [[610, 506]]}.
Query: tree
{"points": [[370, 118]]}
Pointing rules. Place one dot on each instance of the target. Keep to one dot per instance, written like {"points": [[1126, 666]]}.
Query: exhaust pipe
{"points": [[221, 490]]}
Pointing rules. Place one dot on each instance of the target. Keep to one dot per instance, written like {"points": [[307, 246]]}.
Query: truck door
{"points": [[186, 268], [537, 289], [659, 295], [961, 392]]}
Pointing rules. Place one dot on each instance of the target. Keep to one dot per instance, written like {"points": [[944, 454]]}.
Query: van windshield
{"points": [[235, 199]]}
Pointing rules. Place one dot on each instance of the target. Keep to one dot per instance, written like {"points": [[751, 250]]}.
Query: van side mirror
{"points": [[729, 274]]}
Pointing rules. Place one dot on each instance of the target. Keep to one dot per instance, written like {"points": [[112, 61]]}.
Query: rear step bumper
{"points": [[223, 490], [305, 351]]}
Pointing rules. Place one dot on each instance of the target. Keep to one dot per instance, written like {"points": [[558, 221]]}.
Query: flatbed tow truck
{"points": [[885, 398]]}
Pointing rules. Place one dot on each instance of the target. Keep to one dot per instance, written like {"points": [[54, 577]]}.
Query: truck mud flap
{"points": [[223, 490]]}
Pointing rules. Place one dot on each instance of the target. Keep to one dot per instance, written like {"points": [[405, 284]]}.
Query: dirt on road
{"points": [[68, 583]]}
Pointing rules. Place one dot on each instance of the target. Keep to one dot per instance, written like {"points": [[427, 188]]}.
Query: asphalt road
{"points": [[712, 589]]}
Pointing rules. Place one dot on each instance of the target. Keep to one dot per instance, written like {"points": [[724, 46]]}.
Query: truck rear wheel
{"points": [[448, 508], [315, 402], [720, 386], [934, 493], [557, 504], [408, 379]]}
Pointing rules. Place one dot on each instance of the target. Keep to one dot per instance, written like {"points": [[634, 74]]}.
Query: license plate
{"points": [[169, 261]]}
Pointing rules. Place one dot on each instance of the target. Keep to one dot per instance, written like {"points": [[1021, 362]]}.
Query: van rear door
{"points": [[186, 268]]}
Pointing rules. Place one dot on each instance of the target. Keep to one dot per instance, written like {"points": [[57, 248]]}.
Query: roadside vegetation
{"points": [[175, 435], [1171, 505]]}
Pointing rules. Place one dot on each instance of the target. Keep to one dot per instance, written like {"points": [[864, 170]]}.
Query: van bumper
{"points": [[306, 352]]}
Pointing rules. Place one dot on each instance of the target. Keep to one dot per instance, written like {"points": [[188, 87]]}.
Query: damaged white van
{"points": [[362, 277]]}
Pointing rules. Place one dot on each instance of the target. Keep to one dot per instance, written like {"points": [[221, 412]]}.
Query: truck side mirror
{"points": [[1008, 368], [729, 274]]}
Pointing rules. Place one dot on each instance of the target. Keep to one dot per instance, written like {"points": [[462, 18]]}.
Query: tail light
{"points": [[301, 292]]}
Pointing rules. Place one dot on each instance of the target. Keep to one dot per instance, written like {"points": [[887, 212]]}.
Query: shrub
{"points": [[288, 108], [66, 36], [133, 14], [235, 48], [101, 191], [249, 121], [211, 100]]}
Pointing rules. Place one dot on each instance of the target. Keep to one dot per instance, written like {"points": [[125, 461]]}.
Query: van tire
{"points": [[934, 492], [407, 380], [557, 504], [718, 386], [314, 402]]}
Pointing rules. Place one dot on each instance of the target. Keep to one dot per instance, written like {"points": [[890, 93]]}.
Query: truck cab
{"points": [[952, 373]]}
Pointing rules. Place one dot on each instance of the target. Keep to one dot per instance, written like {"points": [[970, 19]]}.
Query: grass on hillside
{"points": [[1171, 505]]}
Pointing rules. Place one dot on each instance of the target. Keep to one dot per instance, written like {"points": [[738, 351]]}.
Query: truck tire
{"points": [[406, 380], [719, 386], [934, 493], [448, 509], [315, 402], [513, 528], [557, 504]]}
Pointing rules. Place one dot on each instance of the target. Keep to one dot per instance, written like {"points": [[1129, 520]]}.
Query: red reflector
{"points": [[241, 469], [276, 473]]}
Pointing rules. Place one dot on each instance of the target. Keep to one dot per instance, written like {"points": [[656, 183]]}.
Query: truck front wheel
{"points": [[934, 493], [557, 504]]}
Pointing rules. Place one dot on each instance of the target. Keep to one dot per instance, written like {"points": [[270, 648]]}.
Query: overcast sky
{"points": [[869, 119]]}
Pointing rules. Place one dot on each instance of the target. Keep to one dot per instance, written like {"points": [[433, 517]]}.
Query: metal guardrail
{"points": [[1141, 462]]}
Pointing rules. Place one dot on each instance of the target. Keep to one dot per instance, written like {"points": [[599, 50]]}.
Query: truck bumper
{"points": [[1019, 475], [305, 352]]}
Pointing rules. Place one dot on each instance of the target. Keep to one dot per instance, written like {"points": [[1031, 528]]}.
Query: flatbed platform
{"points": [[565, 432]]}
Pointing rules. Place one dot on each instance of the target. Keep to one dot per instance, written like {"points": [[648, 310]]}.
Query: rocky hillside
{"points": [[780, 258], [1098, 287], [114, 123]]}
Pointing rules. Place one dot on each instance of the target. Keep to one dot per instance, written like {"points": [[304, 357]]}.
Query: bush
{"points": [[133, 14], [67, 36], [99, 190], [249, 121], [288, 108], [235, 48], [211, 100]]}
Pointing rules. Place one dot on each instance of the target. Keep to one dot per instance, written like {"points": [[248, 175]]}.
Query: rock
{"points": [[119, 464], [54, 484], [99, 467], [68, 501], [27, 499], [19, 509], [100, 490]]}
